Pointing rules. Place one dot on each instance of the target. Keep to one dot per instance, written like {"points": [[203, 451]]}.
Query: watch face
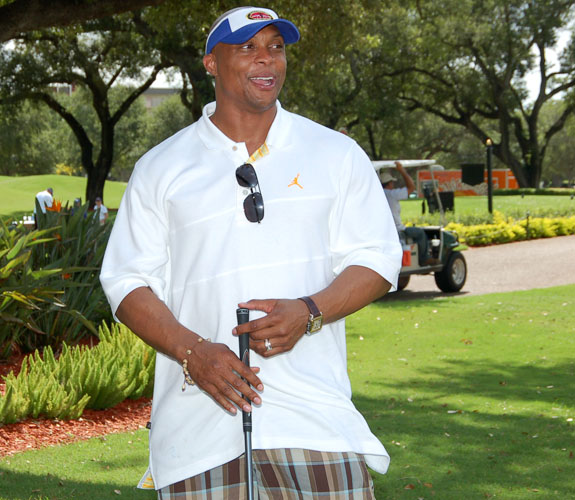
{"points": [[316, 324]]}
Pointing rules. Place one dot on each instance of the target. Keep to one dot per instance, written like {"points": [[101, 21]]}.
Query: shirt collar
{"points": [[214, 138]]}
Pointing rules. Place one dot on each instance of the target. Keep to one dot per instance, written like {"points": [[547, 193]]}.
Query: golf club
{"points": [[243, 316]]}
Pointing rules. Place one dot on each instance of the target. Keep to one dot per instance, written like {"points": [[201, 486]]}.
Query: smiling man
{"points": [[253, 206]]}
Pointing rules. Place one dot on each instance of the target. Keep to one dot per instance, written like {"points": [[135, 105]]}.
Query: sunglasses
{"points": [[254, 202]]}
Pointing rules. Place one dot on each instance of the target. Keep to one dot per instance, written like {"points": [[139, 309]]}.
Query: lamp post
{"points": [[489, 145]]}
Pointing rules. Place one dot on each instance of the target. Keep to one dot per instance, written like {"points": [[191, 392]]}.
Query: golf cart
{"points": [[451, 271]]}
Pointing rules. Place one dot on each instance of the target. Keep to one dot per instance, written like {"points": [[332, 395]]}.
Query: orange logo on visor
{"points": [[258, 15]]}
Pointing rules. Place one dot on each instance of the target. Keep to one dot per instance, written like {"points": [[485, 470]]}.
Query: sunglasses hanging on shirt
{"points": [[254, 202]]}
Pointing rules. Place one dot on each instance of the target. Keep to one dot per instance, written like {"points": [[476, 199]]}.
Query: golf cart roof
{"points": [[378, 164]]}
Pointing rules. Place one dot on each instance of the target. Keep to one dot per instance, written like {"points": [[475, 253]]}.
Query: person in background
{"points": [[103, 210], [394, 195], [45, 199], [76, 206], [191, 243]]}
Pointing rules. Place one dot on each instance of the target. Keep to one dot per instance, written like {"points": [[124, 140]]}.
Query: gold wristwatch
{"points": [[315, 321]]}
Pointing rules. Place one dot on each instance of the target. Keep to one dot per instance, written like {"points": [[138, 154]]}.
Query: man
{"points": [[103, 211], [45, 199], [394, 195], [192, 241]]}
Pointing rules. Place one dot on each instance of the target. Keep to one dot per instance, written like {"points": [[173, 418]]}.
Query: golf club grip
{"points": [[243, 316]]}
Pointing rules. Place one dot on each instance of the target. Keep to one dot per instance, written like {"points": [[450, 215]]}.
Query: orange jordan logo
{"points": [[295, 182]]}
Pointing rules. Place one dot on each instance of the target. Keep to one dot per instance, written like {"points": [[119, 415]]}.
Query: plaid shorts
{"points": [[281, 474]]}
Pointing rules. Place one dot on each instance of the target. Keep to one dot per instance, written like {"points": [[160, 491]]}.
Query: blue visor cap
{"points": [[224, 34]]}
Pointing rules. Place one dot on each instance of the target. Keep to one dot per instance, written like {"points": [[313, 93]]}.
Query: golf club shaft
{"points": [[243, 316]]}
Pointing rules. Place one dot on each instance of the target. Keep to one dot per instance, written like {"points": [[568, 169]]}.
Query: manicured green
{"points": [[17, 193], [472, 397], [473, 209], [99, 469]]}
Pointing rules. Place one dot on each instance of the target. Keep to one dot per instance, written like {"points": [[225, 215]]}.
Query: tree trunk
{"points": [[97, 178], [96, 182]]}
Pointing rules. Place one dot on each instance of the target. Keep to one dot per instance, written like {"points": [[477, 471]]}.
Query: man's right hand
{"points": [[219, 371], [216, 369], [409, 184]]}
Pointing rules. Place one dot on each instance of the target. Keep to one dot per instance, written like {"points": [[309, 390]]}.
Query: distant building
{"points": [[62, 88], [155, 96]]}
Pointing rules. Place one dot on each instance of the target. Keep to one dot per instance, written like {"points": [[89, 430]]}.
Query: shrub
{"points": [[63, 169], [121, 366], [49, 281], [504, 230], [537, 191]]}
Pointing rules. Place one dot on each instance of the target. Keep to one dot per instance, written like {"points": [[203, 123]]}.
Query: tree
{"points": [[559, 167], [96, 59], [25, 145], [472, 74], [21, 16]]}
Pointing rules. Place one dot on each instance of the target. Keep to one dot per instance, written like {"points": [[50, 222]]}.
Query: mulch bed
{"points": [[30, 434]]}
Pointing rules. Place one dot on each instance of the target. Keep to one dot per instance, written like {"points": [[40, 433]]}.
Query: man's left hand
{"points": [[284, 324]]}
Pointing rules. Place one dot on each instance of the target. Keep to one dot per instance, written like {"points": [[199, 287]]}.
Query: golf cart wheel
{"points": [[453, 275], [402, 282]]}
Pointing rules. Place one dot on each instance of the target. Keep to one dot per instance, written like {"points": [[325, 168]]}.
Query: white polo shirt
{"points": [[181, 230], [394, 196], [45, 200]]}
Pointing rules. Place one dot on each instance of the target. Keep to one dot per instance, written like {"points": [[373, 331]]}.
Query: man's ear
{"points": [[210, 64]]}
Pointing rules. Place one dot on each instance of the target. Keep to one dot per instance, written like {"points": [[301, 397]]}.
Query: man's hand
{"points": [[284, 324], [218, 371], [409, 184], [286, 319], [213, 367]]}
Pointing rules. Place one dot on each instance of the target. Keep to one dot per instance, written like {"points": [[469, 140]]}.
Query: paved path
{"points": [[503, 268]]}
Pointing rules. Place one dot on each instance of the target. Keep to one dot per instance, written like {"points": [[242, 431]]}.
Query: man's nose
{"points": [[264, 55]]}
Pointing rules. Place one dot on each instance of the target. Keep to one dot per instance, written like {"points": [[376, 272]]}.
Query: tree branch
{"points": [[137, 93], [28, 15]]}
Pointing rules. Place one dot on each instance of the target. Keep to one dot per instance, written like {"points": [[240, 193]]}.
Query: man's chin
{"points": [[262, 105]]}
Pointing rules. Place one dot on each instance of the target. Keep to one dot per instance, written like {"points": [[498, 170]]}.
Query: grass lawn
{"points": [[472, 397], [17, 193], [515, 206]]}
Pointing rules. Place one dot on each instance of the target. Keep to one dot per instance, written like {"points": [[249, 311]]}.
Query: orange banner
{"points": [[450, 180]]}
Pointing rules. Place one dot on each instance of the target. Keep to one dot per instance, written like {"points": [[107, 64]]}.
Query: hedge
{"points": [[506, 229]]}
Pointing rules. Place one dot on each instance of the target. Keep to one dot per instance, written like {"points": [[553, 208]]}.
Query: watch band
{"points": [[315, 321], [314, 311]]}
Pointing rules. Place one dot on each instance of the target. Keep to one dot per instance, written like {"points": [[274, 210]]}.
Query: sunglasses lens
{"points": [[246, 176], [254, 207]]}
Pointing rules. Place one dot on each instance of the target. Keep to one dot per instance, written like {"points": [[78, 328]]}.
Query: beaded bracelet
{"points": [[187, 377]]}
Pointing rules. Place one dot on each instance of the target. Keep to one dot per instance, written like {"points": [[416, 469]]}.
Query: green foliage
{"points": [[506, 229], [24, 288], [535, 191], [92, 57], [29, 139], [49, 281], [121, 366]]}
